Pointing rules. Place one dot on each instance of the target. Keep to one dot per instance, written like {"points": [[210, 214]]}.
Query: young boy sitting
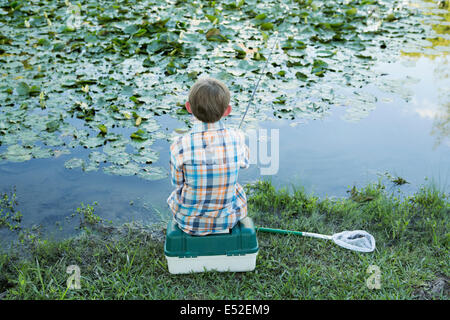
{"points": [[205, 163]]}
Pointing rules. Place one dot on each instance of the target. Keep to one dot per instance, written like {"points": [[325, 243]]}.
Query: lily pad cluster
{"points": [[98, 74]]}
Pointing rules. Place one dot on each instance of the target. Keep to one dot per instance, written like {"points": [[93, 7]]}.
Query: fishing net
{"points": [[357, 240]]}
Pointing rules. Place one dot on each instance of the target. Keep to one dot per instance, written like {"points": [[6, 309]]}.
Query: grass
{"points": [[9, 217], [127, 262]]}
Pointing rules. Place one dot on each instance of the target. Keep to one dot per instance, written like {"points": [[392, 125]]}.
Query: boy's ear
{"points": [[188, 107], [227, 111]]}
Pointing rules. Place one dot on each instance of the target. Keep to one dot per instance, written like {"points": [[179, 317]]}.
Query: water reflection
{"points": [[436, 48], [441, 127], [437, 16]]}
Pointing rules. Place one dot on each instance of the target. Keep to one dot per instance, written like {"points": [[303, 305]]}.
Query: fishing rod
{"points": [[259, 79]]}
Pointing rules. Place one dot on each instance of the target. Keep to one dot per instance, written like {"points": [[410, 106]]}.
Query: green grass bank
{"points": [[127, 262]]}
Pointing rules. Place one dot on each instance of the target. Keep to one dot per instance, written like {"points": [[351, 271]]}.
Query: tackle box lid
{"points": [[240, 241]]}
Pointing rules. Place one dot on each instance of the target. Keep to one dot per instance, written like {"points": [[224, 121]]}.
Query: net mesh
{"points": [[357, 240]]}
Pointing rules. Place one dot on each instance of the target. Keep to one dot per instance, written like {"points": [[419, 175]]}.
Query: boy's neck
{"points": [[199, 126]]}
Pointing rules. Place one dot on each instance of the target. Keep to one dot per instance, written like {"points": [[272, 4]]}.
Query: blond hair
{"points": [[209, 99]]}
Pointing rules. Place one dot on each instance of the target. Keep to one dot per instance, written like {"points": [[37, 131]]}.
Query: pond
{"points": [[78, 126]]}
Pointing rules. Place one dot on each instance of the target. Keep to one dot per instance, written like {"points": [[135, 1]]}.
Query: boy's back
{"points": [[204, 168]]}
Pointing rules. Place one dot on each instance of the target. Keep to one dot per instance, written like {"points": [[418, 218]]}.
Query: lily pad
{"points": [[23, 89], [139, 135], [74, 163], [214, 34], [17, 153], [53, 125], [153, 173]]}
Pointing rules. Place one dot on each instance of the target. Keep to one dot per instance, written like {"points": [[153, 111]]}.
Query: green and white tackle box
{"points": [[235, 251]]}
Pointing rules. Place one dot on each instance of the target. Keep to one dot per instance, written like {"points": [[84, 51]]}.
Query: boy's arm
{"points": [[176, 169]]}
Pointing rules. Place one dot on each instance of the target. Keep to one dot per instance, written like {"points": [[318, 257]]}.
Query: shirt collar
{"points": [[199, 126]]}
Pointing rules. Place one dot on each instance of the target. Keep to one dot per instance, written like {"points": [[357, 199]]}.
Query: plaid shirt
{"points": [[204, 166]]}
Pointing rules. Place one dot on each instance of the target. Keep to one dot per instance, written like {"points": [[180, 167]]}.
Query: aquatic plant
{"points": [[99, 74]]}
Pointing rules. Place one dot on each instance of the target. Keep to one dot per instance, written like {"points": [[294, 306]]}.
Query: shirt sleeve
{"points": [[176, 165]]}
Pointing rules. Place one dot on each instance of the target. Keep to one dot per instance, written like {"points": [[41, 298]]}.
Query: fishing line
{"points": [[259, 79]]}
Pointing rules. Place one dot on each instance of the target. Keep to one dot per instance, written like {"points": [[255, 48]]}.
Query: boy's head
{"points": [[209, 100]]}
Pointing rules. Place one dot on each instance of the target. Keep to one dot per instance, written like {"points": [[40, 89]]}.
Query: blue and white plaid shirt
{"points": [[204, 165]]}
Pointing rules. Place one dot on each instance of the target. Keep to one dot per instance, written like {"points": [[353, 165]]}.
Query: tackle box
{"points": [[235, 251]]}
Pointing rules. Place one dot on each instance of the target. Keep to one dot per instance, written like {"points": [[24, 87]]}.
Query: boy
{"points": [[205, 163]]}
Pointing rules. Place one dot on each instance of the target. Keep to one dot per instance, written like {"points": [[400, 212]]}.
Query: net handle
{"points": [[298, 233]]}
